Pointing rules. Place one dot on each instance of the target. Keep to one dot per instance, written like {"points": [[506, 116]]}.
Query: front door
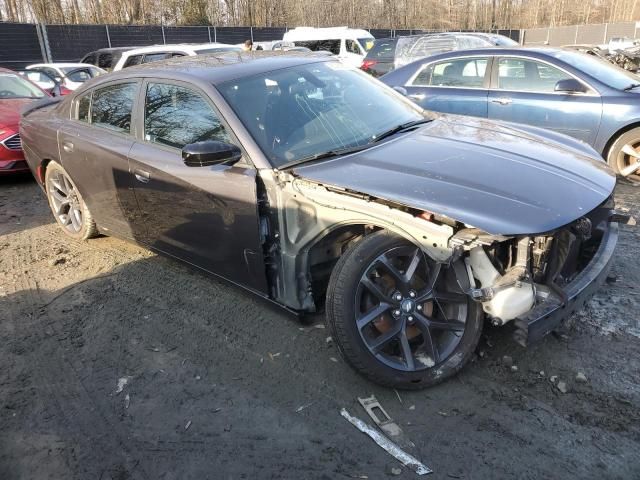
{"points": [[206, 216], [524, 92], [458, 85]]}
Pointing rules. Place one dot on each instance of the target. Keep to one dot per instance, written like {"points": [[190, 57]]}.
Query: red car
{"points": [[15, 93]]}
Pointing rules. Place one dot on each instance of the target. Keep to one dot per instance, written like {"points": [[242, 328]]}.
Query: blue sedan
{"points": [[566, 91]]}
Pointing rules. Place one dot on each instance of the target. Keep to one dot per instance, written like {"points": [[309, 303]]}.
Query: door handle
{"points": [[502, 100], [67, 147], [417, 96], [142, 176]]}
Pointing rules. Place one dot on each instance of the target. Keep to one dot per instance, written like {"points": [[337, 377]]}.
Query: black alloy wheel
{"points": [[400, 317]]}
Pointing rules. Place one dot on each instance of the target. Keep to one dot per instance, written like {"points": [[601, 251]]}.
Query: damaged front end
{"points": [[538, 281]]}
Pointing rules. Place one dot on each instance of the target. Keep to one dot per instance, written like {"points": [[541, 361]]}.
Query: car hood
{"points": [[493, 176], [10, 111]]}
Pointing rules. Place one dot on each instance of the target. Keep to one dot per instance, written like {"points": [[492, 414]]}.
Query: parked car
{"points": [[387, 54], [312, 184], [349, 44], [562, 90], [15, 93], [69, 75], [105, 58], [620, 43], [162, 52]]}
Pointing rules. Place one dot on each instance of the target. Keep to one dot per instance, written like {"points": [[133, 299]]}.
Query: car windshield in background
{"points": [[12, 86], [309, 110], [610, 75], [367, 43]]}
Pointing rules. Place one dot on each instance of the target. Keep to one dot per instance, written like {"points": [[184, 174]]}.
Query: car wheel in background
{"points": [[400, 318], [67, 205], [624, 154]]}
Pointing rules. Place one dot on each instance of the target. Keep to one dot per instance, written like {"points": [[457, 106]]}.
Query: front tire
{"points": [[624, 152], [67, 205], [398, 317]]}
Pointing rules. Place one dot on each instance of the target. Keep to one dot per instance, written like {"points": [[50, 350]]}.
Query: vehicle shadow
{"points": [[22, 204]]}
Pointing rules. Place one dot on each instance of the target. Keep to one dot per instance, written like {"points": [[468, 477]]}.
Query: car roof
{"points": [[216, 68], [176, 47], [61, 65], [539, 52]]}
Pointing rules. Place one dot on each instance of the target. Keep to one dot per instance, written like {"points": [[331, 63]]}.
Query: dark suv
{"points": [[388, 54], [105, 57]]}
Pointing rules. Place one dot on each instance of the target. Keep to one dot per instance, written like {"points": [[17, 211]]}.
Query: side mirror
{"points": [[570, 85], [401, 90], [210, 152]]}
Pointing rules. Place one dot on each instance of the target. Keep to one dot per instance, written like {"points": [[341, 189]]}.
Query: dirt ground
{"points": [[119, 364]]}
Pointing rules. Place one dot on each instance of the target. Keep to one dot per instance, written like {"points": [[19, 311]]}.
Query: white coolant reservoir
{"points": [[507, 303]]}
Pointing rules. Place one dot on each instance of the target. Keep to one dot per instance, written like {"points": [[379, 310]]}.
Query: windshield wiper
{"points": [[400, 128], [320, 156], [631, 87]]}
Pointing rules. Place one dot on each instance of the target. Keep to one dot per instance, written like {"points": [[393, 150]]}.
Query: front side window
{"points": [[299, 112], [112, 105], [463, 72], [105, 60], [523, 75], [133, 60], [177, 116], [154, 57], [352, 47]]}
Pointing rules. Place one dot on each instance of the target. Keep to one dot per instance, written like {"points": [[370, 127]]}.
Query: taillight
{"points": [[64, 90], [367, 64]]}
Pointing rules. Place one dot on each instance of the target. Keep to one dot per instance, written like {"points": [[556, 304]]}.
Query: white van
{"points": [[348, 44]]}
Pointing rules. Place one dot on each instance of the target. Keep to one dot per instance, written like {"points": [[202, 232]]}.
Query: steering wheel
{"points": [[7, 93]]}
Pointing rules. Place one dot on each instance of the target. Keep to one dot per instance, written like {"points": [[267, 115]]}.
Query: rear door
{"points": [[94, 145], [523, 91], [206, 216], [458, 85]]}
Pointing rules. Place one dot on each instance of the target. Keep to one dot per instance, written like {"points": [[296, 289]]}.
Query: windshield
{"points": [[12, 86], [605, 72], [309, 110], [366, 43]]}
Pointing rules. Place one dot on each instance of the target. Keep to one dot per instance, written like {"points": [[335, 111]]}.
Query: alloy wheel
{"points": [[410, 311], [65, 202]]}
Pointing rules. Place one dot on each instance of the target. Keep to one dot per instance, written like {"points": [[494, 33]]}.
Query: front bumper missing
{"points": [[549, 314]]}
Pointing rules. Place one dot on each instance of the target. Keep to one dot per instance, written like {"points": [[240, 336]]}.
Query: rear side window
{"points": [[177, 116], [464, 72], [83, 107], [332, 46], [112, 105], [79, 76]]}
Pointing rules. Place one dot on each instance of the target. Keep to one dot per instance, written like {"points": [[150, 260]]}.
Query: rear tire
{"points": [[67, 205], [438, 326], [617, 159]]}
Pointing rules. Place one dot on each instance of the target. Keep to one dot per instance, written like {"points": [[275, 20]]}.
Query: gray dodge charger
{"points": [[317, 187]]}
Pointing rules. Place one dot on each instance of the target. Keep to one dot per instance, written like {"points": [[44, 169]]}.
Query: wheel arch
{"points": [[621, 131], [322, 253]]}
